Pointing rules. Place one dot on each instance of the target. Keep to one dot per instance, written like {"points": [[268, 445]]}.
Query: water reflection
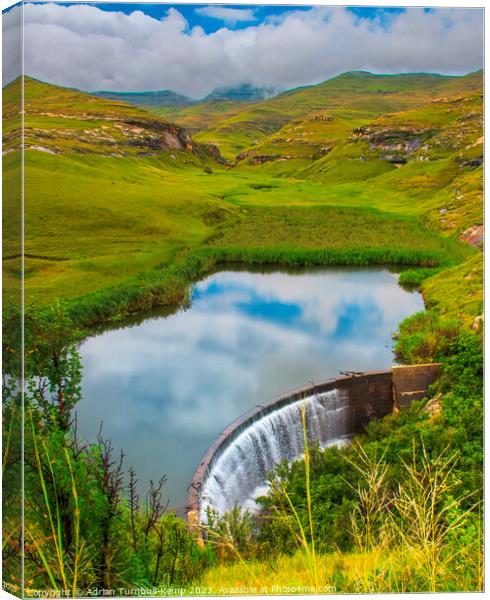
{"points": [[166, 387]]}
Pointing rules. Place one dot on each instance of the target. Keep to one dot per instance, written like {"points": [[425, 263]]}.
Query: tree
{"points": [[52, 363]]}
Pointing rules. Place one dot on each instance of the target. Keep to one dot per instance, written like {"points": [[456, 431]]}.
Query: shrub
{"points": [[425, 337]]}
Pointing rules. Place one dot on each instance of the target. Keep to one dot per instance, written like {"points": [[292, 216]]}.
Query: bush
{"points": [[425, 337]]}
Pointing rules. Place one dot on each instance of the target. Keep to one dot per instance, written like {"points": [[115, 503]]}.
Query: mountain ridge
{"points": [[147, 98]]}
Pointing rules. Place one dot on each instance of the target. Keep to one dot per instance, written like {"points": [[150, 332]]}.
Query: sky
{"points": [[194, 49]]}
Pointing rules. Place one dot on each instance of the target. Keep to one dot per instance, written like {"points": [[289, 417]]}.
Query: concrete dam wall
{"points": [[234, 470]]}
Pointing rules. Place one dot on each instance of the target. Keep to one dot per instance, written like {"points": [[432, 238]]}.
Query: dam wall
{"points": [[234, 469]]}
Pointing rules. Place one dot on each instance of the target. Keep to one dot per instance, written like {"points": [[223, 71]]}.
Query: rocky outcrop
{"points": [[214, 151], [473, 235], [162, 136], [119, 137], [260, 159], [393, 144]]}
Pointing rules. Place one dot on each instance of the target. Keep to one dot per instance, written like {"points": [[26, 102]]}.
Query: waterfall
{"points": [[239, 473]]}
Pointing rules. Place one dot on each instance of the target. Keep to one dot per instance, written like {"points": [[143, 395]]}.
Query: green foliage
{"points": [[84, 531], [233, 534], [12, 426], [425, 337], [462, 388], [457, 293], [52, 365], [332, 502], [412, 278]]}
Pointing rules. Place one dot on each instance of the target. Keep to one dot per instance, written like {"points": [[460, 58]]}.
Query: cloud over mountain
{"points": [[88, 48]]}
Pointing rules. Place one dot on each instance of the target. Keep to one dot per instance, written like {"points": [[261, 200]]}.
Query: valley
{"points": [[389, 164]]}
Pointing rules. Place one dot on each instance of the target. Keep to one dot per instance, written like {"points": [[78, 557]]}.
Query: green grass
{"points": [[103, 227], [457, 293], [143, 225], [375, 571], [344, 231]]}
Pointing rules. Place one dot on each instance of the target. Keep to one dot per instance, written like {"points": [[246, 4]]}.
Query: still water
{"points": [[164, 388]]}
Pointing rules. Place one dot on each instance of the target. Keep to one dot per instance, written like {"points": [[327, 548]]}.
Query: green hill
{"points": [[114, 191], [360, 96], [60, 120], [200, 116]]}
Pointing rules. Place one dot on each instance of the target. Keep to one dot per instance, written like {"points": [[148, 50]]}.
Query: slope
{"points": [[367, 95], [61, 120], [115, 194]]}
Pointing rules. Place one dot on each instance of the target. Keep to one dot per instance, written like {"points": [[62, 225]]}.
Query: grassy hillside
{"points": [[204, 115], [154, 194], [64, 121], [358, 96]]}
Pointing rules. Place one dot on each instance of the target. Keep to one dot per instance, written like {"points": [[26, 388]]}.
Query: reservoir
{"points": [[166, 385]]}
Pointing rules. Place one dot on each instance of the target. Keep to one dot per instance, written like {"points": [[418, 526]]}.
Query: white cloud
{"points": [[11, 45], [227, 15], [85, 47]]}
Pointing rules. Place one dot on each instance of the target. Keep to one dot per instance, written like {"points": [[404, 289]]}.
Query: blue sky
{"points": [[193, 49], [195, 17]]}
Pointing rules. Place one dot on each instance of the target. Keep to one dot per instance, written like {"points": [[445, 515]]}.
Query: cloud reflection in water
{"points": [[166, 387]]}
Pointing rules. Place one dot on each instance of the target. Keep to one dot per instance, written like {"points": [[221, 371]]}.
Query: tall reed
{"points": [[307, 546], [57, 561], [414, 528]]}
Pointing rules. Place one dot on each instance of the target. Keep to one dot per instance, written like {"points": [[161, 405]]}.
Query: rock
{"points": [[215, 152], [473, 235], [476, 162], [433, 406], [477, 323], [42, 149], [263, 158]]}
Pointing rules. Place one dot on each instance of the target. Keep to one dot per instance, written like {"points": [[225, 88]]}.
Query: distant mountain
{"points": [[157, 98], [241, 93]]}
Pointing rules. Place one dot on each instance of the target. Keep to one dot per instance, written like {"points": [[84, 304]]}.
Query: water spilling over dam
{"points": [[240, 473], [235, 469]]}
